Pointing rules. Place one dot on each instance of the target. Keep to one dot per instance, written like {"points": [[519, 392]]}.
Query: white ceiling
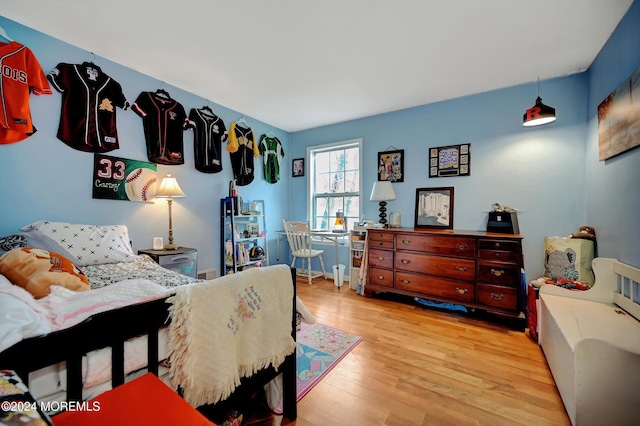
{"points": [[299, 64]]}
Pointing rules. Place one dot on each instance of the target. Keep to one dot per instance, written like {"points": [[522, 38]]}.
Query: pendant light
{"points": [[539, 113]]}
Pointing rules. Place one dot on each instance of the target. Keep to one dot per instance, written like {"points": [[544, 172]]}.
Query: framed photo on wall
{"points": [[452, 160], [297, 167], [391, 165], [434, 208], [619, 119]]}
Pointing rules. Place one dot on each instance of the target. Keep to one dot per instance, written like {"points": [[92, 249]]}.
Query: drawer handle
{"points": [[177, 259], [380, 277], [380, 258], [406, 282], [461, 268], [406, 242], [497, 254], [498, 297], [496, 272], [497, 244], [405, 261], [461, 290], [462, 246]]}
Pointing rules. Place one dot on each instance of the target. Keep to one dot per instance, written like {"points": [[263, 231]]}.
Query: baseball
{"points": [[141, 185]]}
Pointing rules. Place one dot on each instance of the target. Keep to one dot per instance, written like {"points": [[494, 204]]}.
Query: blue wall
{"points": [[43, 179], [538, 170], [613, 186], [550, 173]]}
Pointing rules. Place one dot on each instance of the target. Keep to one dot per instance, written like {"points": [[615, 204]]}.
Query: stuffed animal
{"points": [[560, 263], [36, 270], [586, 232]]}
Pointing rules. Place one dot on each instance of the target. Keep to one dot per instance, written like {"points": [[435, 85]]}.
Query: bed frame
{"points": [[112, 329]]}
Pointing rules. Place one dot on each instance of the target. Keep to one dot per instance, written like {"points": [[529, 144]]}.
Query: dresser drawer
{"points": [[433, 286], [453, 246], [446, 267], [499, 273], [381, 277], [381, 258], [381, 244], [498, 296], [380, 236], [501, 245], [499, 256]]}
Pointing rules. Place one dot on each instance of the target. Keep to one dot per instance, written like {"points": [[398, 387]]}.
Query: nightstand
{"points": [[183, 260]]}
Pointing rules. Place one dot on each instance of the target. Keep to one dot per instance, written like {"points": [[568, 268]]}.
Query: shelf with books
{"points": [[244, 236], [356, 254]]}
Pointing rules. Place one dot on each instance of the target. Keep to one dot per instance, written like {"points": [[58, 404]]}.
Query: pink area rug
{"points": [[320, 348]]}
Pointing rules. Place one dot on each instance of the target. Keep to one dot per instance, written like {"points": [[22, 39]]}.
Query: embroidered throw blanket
{"points": [[228, 328]]}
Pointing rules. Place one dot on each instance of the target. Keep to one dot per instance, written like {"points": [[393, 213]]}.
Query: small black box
{"points": [[503, 222]]}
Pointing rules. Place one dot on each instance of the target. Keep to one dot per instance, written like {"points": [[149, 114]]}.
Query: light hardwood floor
{"points": [[422, 366]]}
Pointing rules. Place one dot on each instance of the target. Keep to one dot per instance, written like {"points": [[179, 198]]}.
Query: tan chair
{"points": [[299, 237]]}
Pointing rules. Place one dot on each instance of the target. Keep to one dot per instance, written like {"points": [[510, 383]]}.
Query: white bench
{"points": [[591, 340]]}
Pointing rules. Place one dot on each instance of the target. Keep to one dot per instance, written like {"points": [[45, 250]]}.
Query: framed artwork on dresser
{"points": [[434, 208]]}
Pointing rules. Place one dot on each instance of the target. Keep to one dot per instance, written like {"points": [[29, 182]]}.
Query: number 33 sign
{"points": [[123, 179]]}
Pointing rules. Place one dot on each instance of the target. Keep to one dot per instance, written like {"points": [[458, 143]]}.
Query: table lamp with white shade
{"points": [[169, 189], [382, 191]]}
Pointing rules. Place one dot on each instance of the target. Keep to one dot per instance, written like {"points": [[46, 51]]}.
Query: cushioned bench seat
{"points": [[593, 350]]}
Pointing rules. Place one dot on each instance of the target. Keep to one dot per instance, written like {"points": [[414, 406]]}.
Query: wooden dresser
{"points": [[475, 269]]}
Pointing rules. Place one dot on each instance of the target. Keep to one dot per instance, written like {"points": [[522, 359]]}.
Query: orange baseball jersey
{"points": [[21, 75]]}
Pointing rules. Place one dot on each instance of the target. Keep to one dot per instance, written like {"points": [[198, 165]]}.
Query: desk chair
{"points": [[299, 237]]}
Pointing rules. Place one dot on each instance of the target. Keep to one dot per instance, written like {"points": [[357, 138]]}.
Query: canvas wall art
{"points": [[619, 119]]}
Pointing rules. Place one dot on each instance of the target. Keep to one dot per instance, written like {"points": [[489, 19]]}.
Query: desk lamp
{"points": [[340, 221]]}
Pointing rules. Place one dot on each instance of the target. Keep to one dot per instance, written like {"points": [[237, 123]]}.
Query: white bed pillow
{"points": [[89, 244]]}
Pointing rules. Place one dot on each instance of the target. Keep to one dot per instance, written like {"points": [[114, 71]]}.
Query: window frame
{"points": [[311, 199]]}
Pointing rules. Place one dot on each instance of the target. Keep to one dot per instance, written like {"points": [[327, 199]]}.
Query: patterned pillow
{"points": [[33, 239], [90, 244]]}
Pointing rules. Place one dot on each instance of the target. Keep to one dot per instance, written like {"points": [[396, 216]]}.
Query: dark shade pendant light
{"points": [[538, 114]]}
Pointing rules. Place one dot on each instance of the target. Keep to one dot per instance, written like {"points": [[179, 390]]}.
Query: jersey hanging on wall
{"points": [[209, 132], [243, 148], [164, 121], [89, 101], [272, 153], [21, 75]]}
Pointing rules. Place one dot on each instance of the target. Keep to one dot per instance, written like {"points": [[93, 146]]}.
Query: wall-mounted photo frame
{"points": [[434, 208], [452, 160], [297, 167], [391, 165]]}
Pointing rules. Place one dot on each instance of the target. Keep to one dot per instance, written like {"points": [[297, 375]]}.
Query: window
{"points": [[334, 183]]}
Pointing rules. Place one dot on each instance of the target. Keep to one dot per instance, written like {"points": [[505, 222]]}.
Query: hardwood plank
{"points": [[424, 366]]}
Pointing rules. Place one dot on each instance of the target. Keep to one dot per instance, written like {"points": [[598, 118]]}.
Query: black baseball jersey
{"points": [[209, 132], [242, 147], [164, 121], [89, 101]]}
